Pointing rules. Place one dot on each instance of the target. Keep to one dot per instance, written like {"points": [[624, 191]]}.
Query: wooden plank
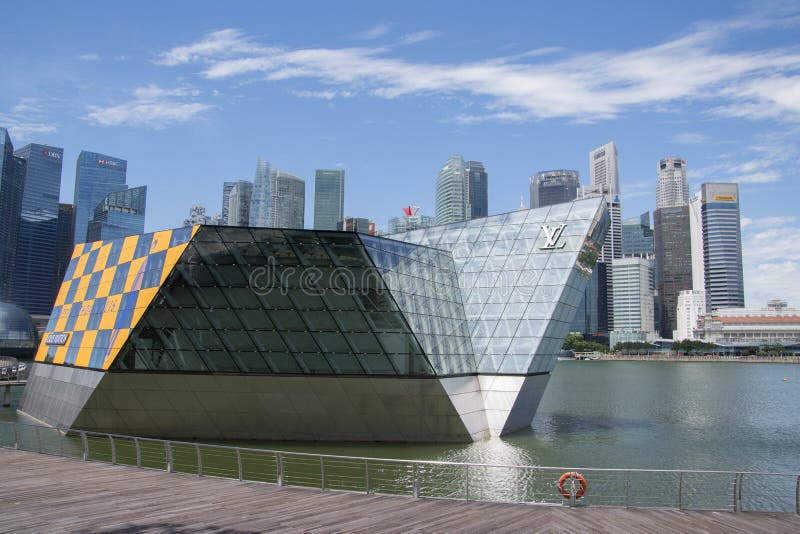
{"points": [[48, 494]]}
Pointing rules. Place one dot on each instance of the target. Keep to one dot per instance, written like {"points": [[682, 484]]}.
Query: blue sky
{"points": [[192, 93]]}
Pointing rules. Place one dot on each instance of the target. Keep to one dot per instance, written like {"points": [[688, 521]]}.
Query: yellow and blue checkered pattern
{"points": [[106, 290]]}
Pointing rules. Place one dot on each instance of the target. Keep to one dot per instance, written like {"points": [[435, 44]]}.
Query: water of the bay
{"points": [[647, 415]]}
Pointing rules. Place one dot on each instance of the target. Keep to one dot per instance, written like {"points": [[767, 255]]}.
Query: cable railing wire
{"points": [[633, 488]]}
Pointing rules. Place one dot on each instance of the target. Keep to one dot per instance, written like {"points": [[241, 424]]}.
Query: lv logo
{"points": [[552, 235]]}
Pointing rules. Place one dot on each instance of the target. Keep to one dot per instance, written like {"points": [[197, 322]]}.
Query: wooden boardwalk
{"points": [[40, 493]]}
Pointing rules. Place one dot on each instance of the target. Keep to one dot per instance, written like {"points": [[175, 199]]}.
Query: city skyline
{"points": [[171, 107]]}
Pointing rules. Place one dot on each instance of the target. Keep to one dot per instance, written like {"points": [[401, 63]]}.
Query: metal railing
{"points": [[639, 488]]}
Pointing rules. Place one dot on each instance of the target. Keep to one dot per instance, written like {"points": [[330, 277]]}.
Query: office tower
{"points": [[197, 215], [227, 187], [673, 189], [65, 232], [356, 224], [634, 291], [239, 198], [328, 198], [477, 181], [696, 232], [12, 186], [288, 203], [554, 187], [604, 169], [637, 237], [691, 306], [411, 220], [260, 198], [96, 175], [673, 261], [34, 279], [451, 192], [120, 214], [591, 315], [722, 246]]}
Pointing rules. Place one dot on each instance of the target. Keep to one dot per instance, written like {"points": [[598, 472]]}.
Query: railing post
{"points": [[797, 496], [16, 437], [279, 467], [113, 450], [138, 452], [239, 462], [322, 472], [366, 473], [199, 460], [735, 483], [415, 486], [572, 490], [168, 455], [85, 443], [627, 489], [741, 484], [467, 482], [38, 440], [680, 490]]}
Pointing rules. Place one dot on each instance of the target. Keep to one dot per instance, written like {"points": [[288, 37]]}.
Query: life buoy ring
{"points": [[577, 476]]}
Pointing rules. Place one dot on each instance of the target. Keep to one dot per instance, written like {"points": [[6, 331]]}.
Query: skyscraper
{"points": [[12, 186], [477, 189], [604, 169], [328, 198], [288, 202], [554, 187], [120, 214], [673, 189], [696, 231], [634, 293], [64, 245], [226, 199], [239, 198], [34, 279], [722, 246], [96, 175], [673, 261], [451, 192], [691, 306], [637, 237], [260, 199]]}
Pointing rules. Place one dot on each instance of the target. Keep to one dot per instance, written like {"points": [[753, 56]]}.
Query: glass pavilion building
{"points": [[447, 333]]}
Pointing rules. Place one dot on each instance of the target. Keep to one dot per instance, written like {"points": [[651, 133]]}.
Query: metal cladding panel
{"points": [[521, 275], [107, 287]]}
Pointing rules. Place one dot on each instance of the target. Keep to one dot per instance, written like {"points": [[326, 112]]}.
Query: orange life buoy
{"points": [[577, 476]]}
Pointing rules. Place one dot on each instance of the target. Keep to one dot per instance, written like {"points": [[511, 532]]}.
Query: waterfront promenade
{"points": [[41, 493]]}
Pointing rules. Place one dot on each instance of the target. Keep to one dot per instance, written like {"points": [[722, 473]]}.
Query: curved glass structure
{"points": [[17, 332]]}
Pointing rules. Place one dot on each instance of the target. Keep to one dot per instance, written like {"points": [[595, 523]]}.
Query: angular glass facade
{"points": [[120, 214], [446, 333], [328, 199], [34, 277], [96, 175]]}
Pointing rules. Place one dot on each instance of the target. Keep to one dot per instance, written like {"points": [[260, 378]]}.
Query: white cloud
{"points": [[27, 119], [324, 95], [153, 107], [583, 87], [374, 32], [771, 259], [88, 57], [418, 37], [690, 138]]}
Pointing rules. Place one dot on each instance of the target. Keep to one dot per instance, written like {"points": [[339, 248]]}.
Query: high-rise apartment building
{"points": [[637, 237], [604, 169], [238, 207], [96, 175], [554, 187], [411, 220], [673, 189], [722, 246], [64, 245], [477, 190], [12, 186], [691, 306], [451, 192], [328, 198], [673, 261], [34, 278], [120, 214], [260, 198], [288, 201], [634, 292], [227, 187]]}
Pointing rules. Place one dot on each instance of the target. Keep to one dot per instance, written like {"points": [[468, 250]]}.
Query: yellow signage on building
{"points": [[728, 198]]}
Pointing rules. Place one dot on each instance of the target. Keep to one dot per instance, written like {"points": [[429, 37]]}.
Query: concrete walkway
{"points": [[40, 493]]}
